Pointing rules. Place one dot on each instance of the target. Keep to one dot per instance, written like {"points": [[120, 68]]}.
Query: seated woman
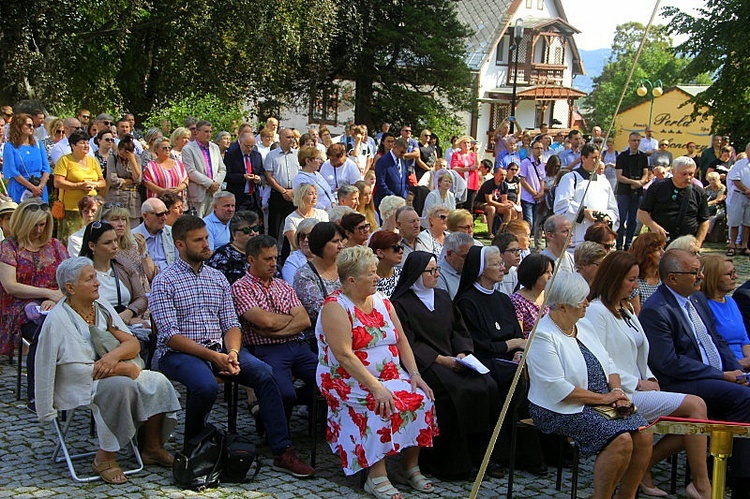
{"points": [[378, 403], [510, 251], [387, 247], [720, 279], [620, 333], [467, 402], [305, 199], [121, 395], [319, 278], [442, 195], [131, 247], [356, 229], [389, 205], [303, 254], [533, 273], [175, 206], [587, 257], [118, 281], [230, 259], [431, 239], [602, 234], [570, 372], [88, 207], [647, 249]]}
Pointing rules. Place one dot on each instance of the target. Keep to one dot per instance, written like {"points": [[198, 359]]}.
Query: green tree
{"points": [[407, 59], [717, 43], [657, 62]]}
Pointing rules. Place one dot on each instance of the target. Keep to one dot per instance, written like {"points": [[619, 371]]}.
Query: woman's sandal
{"points": [[108, 470], [731, 251], [380, 487], [160, 457], [418, 481]]}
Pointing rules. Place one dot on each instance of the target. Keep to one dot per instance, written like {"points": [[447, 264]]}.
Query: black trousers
{"points": [[278, 209]]}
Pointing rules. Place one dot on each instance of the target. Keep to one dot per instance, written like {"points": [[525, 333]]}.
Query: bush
{"points": [[223, 116]]}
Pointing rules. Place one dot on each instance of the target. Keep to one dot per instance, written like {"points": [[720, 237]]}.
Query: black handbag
{"points": [[201, 463], [239, 459]]}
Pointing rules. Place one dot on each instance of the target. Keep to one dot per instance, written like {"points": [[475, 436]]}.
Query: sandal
{"points": [[731, 251], [418, 481], [380, 487], [160, 457], [745, 252], [108, 470]]}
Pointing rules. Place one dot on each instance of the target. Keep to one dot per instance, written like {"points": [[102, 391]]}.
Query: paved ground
{"points": [[26, 469]]}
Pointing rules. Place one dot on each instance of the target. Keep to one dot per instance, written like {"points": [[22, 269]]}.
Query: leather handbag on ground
{"points": [[200, 464], [610, 412], [239, 459]]}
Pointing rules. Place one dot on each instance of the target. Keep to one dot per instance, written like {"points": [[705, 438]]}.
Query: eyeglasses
{"points": [[538, 148], [515, 251], [692, 272], [112, 205], [166, 148], [407, 131], [733, 273], [397, 248], [433, 272], [608, 246], [160, 214], [107, 123], [363, 228], [110, 140], [34, 207], [427, 135], [465, 227], [85, 116], [256, 228]]}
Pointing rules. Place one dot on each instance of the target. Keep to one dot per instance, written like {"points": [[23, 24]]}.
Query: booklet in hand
{"points": [[473, 363]]}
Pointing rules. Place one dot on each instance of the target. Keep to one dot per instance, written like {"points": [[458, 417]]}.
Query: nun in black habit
{"points": [[491, 320], [467, 403]]}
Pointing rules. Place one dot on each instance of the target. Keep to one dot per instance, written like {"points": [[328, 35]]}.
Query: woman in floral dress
{"points": [[375, 408]]}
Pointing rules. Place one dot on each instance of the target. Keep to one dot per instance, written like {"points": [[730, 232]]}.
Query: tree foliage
{"points": [[718, 45], [657, 62]]}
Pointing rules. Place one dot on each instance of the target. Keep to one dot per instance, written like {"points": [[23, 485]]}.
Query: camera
{"points": [[602, 217], [35, 181]]}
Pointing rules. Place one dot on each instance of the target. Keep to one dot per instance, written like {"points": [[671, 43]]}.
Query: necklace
{"points": [[569, 335], [89, 317]]}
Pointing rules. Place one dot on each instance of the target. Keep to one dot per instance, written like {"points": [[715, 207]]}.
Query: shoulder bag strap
{"points": [[117, 283], [320, 279], [684, 205]]}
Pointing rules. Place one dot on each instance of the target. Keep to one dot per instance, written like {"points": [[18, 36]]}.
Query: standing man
{"points": [[40, 133], [631, 168], [556, 231], [62, 148], [532, 175], [391, 172], [412, 149], [597, 204], [199, 338], [217, 223], [84, 116], [205, 168], [648, 144], [157, 233], [676, 207], [124, 127], [274, 320], [244, 166], [281, 166], [272, 124], [738, 204], [570, 158], [687, 354]]}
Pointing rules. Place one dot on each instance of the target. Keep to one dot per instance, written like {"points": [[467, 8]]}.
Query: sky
{"points": [[597, 19]]}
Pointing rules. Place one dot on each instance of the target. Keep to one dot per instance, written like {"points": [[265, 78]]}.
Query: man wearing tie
{"points": [[244, 166], [205, 168], [688, 356], [391, 172]]}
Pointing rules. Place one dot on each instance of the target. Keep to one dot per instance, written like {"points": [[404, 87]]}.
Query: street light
{"points": [[517, 37], [656, 91]]}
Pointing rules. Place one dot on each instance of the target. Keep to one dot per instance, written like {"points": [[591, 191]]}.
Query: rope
{"points": [[519, 370]]}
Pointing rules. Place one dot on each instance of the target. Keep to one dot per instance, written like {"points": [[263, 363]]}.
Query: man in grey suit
{"points": [[205, 168]]}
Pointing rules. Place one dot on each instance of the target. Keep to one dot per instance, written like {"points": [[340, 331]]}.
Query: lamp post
{"points": [[656, 90], [517, 37]]}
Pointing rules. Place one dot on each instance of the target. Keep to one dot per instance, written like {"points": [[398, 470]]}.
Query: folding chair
{"points": [[69, 458]]}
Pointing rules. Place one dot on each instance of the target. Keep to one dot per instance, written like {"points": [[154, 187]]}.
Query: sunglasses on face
{"points": [[85, 116], [443, 216], [397, 248], [36, 207], [254, 228], [160, 214], [107, 123], [109, 140], [59, 132]]}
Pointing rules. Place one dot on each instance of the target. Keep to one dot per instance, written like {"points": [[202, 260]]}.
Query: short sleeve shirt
{"points": [[663, 201]]}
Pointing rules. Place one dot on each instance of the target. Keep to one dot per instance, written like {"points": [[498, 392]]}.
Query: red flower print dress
{"points": [[359, 435]]}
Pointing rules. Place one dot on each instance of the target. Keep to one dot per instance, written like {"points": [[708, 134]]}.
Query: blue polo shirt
{"points": [[218, 231]]}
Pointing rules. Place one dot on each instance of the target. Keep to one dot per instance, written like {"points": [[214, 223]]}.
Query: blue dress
{"points": [[730, 325], [591, 431], [26, 161]]}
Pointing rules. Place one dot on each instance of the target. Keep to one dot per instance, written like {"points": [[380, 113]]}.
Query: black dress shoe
{"points": [[536, 469]]}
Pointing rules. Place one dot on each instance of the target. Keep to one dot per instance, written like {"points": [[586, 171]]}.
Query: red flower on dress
{"points": [[333, 431], [362, 356], [344, 458], [360, 420], [360, 338], [359, 451], [342, 372], [396, 422], [385, 435], [390, 371], [371, 404], [408, 401], [326, 382], [424, 439], [373, 319], [429, 417], [332, 401], [394, 351]]}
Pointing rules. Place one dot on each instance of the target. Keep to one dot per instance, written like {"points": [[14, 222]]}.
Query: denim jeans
{"points": [[628, 205], [529, 213], [198, 377]]}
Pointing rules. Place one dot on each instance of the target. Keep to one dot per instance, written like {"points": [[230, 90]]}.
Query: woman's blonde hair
{"points": [[355, 261], [368, 210], [24, 220], [300, 192], [457, 216], [178, 133], [111, 211], [713, 267]]}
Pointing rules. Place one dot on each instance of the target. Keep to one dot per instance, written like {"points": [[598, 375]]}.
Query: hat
{"points": [[8, 206]]}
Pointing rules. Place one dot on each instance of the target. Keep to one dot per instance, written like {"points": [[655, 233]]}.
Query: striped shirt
{"points": [[166, 178], [191, 304]]}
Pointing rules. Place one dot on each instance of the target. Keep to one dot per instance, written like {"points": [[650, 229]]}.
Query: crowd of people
{"points": [[300, 262]]}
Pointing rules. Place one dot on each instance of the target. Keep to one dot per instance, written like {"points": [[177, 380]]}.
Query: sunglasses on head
{"points": [[112, 205], [34, 207], [250, 230]]}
